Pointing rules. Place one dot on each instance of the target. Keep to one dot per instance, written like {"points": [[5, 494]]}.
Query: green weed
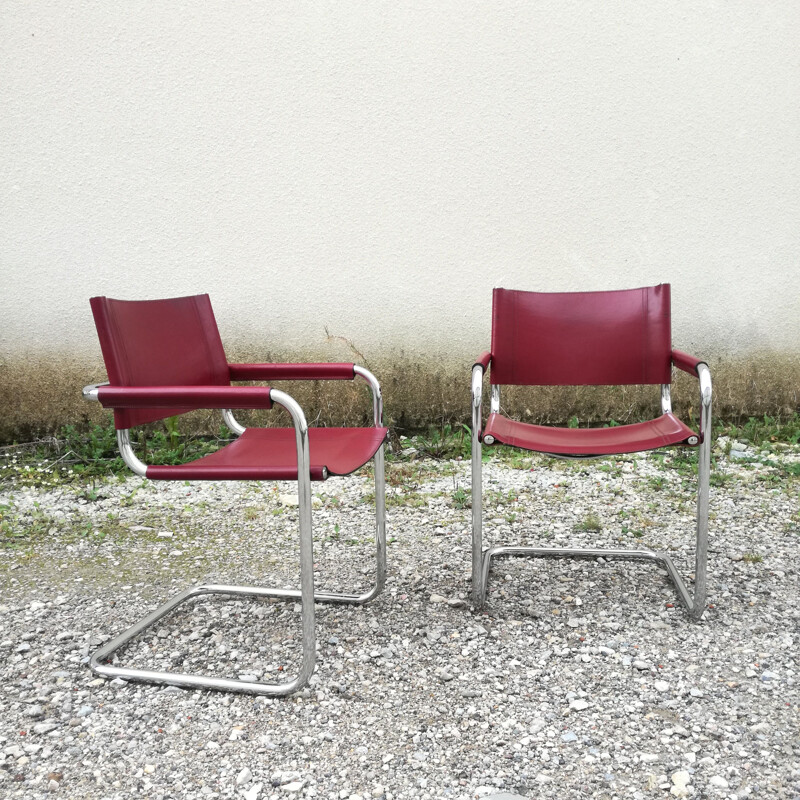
{"points": [[461, 498], [591, 522]]}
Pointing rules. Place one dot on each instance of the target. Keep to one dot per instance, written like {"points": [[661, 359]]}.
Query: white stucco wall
{"points": [[377, 167]]}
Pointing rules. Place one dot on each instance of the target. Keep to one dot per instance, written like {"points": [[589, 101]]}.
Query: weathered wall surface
{"points": [[375, 168]]}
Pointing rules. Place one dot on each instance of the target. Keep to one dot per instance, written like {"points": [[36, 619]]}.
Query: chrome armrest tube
{"points": [[704, 374], [90, 391], [377, 397], [377, 403], [477, 385]]}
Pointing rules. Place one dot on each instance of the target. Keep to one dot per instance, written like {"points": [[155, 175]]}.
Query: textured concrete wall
{"points": [[376, 167]]}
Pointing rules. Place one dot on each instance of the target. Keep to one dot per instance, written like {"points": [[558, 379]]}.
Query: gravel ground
{"points": [[578, 679]]}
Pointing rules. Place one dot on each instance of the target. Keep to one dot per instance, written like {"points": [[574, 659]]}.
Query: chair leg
{"points": [[479, 575], [698, 604], [380, 545], [695, 605]]}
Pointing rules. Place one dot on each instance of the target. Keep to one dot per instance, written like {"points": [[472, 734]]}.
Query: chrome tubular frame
{"points": [[666, 399], [481, 559], [494, 404], [230, 422], [305, 594], [128, 456], [380, 493], [478, 583]]}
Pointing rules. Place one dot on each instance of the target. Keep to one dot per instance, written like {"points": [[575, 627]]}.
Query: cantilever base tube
{"points": [[98, 660], [695, 606]]}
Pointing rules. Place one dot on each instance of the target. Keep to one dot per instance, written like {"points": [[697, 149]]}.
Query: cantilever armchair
{"points": [[165, 357], [582, 339]]}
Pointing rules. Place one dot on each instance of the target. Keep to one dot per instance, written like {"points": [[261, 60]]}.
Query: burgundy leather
{"points": [[662, 432], [158, 343], [180, 396], [581, 338], [483, 360], [271, 454], [292, 372], [686, 362]]}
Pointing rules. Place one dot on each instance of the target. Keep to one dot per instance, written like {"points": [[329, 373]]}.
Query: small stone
{"points": [[35, 711], [293, 788], [253, 792], [569, 736], [719, 781], [643, 666], [437, 598], [289, 500], [680, 780], [149, 769], [245, 776], [45, 727], [661, 686], [579, 705]]}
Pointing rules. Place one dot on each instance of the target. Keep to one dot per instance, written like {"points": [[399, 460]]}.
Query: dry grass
{"points": [[38, 396]]}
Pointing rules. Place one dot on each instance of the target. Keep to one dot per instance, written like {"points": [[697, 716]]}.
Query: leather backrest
{"points": [[581, 338], [172, 342]]}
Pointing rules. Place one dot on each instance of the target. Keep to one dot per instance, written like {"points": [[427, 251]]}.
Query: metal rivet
{"points": [[692, 440], [488, 439]]}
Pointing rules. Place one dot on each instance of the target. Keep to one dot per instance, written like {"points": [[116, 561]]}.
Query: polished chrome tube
{"points": [[494, 404], [90, 391], [666, 399], [128, 456], [306, 537], [231, 423], [703, 479], [593, 553], [377, 397], [478, 582]]}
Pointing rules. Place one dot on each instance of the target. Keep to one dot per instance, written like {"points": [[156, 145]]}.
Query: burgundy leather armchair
{"points": [[165, 357], [588, 338]]}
